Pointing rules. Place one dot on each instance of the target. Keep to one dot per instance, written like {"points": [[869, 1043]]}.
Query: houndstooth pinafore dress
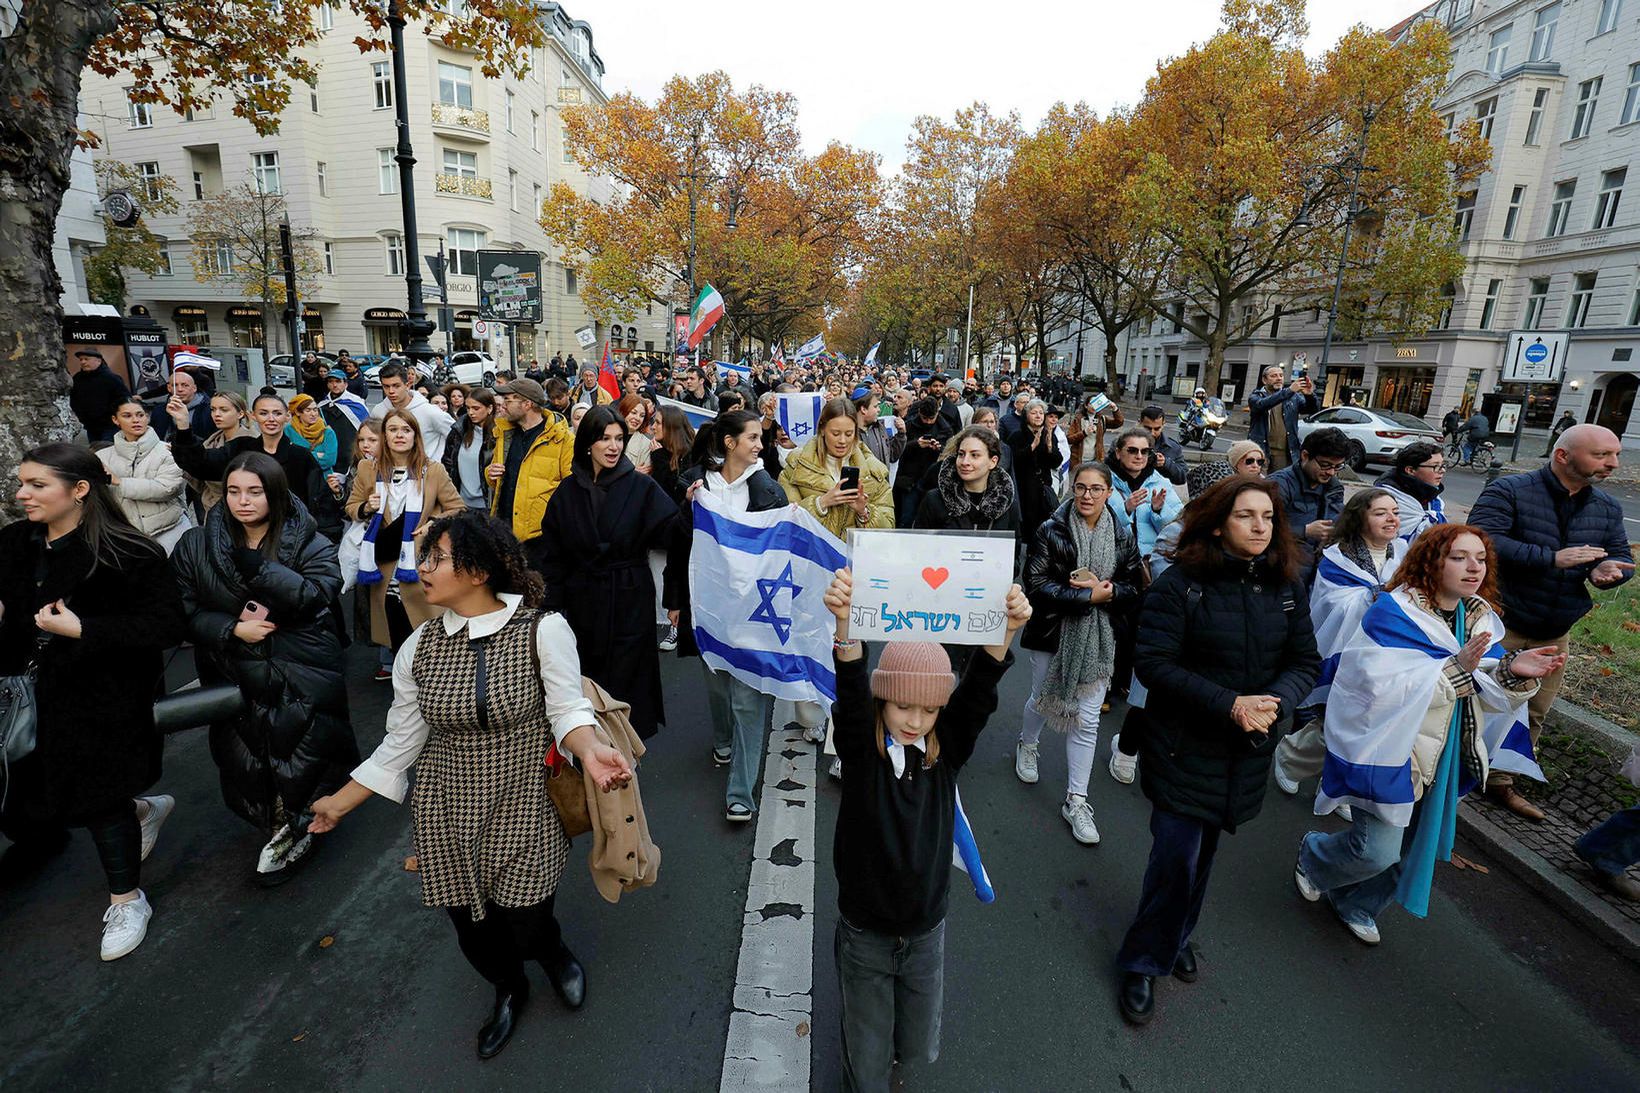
{"points": [[485, 828]]}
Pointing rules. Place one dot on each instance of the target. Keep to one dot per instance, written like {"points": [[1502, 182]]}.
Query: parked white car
{"points": [[474, 367], [282, 369], [1375, 435]]}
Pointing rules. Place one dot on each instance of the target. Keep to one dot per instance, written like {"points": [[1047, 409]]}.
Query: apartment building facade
{"points": [[1550, 240], [487, 152]]}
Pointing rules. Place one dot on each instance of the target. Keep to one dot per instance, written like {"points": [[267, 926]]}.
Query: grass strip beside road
{"points": [[1604, 672]]}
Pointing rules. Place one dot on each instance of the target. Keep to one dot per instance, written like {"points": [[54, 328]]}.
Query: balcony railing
{"points": [[461, 117], [465, 185]]}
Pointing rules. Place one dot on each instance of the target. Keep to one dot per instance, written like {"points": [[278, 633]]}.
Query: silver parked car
{"points": [[1375, 435]]}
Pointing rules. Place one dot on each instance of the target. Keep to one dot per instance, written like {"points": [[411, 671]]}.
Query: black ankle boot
{"points": [[568, 978], [1184, 968], [509, 1006], [1137, 997]]}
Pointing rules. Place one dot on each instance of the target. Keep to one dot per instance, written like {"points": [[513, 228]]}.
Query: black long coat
{"points": [[1203, 640], [294, 738], [593, 552], [307, 482], [96, 743], [1048, 569], [1033, 477]]}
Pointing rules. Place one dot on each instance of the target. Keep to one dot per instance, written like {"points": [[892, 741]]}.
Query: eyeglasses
{"points": [[433, 559], [1328, 465], [1438, 468], [1084, 490], [1131, 450]]}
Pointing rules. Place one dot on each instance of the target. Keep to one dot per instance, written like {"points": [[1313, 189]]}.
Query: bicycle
{"points": [[1485, 452]]}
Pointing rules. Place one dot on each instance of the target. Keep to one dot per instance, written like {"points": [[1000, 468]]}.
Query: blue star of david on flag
{"points": [[767, 590]]}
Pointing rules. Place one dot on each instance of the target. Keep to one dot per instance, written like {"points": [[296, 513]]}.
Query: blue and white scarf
{"points": [[1342, 593], [405, 496], [1384, 685]]}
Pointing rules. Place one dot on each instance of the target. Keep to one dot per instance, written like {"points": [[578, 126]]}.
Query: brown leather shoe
{"points": [[1509, 797], [1620, 885]]}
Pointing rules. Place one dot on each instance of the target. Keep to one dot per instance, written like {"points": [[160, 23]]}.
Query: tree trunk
{"points": [[1215, 356], [39, 86], [1112, 378]]}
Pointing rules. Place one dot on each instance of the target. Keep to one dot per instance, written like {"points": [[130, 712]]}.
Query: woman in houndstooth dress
{"points": [[480, 692]]}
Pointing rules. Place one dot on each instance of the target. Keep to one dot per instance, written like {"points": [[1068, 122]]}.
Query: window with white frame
{"points": [[313, 99], [1588, 97], [1611, 192], [219, 256], [395, 254], [387, 170], [1634, 305], [455, 85], [257, 82], [1537, 298], [1486, 112], [1497, 53], [1577, 309], [1465, 216], [1560, 210], [1543, 32], [142, 115], [535, 131], [381, 79], [1610, 11], [461, 247], [568, 153], [571, 283], [1511, 219], [1449, 296], [1631, 97], [460, 164], [1489, 306], [1534, 122], [512, 189], [1449, 123], [164, 259], [150, 180], [265, 170], [330, 260], [508, 101], [535, 194], [324, 183], [325, 18], [199, 186]]}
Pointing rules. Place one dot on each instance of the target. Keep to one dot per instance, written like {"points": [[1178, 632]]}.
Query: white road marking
{"points": [[768, 1042]]}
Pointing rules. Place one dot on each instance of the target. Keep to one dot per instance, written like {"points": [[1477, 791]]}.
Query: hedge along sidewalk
{"points": [[1580, 753]]}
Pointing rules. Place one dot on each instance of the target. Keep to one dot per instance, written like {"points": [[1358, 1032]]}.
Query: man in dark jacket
{"points": [[1167, 454], [1276, 410], [1553, 530], [94, 394], [926, 432], [1311, 493], [1477, 430]]}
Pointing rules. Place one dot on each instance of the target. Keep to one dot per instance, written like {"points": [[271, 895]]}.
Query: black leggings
{"points": [[498, 946], [115, 830]]}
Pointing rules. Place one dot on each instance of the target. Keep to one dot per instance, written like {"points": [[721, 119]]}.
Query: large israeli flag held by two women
{"points": [[1386, 679], [757, 582]]}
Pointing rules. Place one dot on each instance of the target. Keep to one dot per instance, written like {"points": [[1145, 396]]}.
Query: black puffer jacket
{"points": [[1048, 569], [294, 739], [1203, 641]]}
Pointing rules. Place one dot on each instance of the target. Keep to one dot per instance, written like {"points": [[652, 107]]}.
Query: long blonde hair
{"points": [[416, 464]]}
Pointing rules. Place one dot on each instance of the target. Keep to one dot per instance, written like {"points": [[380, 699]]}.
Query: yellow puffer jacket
{"points": [[806, 478], [546, 464]]}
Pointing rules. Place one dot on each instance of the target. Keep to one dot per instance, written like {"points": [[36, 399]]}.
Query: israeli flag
{"points": [[1342, 593], [187, 359], [799, 415], [697, 415], [742, 369], [756, 582], [1385, 681], [811, 348], [871, 355], [965, 855]]}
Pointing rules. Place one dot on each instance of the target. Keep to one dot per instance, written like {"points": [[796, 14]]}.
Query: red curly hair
{"points": [[1420, 570]]}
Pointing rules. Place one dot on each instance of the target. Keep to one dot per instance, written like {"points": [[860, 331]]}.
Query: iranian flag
{"points": [[707, 311]]}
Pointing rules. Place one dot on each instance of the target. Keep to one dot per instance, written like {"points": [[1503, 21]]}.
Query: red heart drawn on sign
{"points": [[936, 577]]}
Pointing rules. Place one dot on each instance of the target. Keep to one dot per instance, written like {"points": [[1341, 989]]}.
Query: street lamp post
{"points": [[417, 326], [1356, 166]]}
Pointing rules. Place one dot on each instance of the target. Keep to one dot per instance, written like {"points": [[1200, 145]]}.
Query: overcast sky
{"points": [[862, 72]]}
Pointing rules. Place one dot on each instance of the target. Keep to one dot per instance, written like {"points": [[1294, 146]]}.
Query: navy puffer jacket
{"points": [[1531, 516], [1203, 641]]}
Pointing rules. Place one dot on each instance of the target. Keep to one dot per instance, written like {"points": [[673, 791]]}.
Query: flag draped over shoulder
{"points": [[1343, 591], [757, 582], [1386, 679]]}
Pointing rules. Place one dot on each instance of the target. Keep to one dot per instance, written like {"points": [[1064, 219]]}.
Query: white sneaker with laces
{"points": [[669, 641], [1306, 889], [1123, 768], [1345, 813], [1283, 783], [1025, 762], [1079, 814], [159, 807], [1364, 929], [125, 925], [837, 768], [816, 734]]}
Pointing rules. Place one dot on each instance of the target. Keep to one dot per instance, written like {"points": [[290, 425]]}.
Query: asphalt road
{"points": [[237, 988]]}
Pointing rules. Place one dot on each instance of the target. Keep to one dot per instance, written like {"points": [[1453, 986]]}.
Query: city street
{"points": [[341, 980]]}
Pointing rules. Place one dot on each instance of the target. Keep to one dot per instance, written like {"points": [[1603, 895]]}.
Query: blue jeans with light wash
{"points": [[1614, 845], [740, 718], [1358, 869]]}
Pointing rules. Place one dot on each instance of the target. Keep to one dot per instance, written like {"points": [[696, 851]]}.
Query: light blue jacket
{"points": [[1145, 523]]}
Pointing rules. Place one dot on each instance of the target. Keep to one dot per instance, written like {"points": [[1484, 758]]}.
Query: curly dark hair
{"points": [[480, 543], [1198, 549], [1420, 570]]}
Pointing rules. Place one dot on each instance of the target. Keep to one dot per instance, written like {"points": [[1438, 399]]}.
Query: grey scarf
{"points": [[1087, 644]]}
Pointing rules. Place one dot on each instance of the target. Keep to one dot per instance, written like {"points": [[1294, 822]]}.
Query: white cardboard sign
{"points": [[944, 586]]}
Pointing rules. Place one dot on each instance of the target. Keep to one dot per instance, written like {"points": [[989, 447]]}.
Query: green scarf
{"points": [[1087, 644]]}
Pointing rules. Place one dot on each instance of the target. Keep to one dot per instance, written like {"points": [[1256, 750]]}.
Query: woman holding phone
{"points": [[258, 583], [836, 478]]}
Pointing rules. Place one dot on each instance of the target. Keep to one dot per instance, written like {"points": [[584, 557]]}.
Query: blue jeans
{"points": [[1358, 869], [893, 989], [1614, 845], [740, 718], [1181, 860]]}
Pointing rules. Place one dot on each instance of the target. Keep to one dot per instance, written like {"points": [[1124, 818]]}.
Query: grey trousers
{"points": [[1301, 754], [893, 992]]}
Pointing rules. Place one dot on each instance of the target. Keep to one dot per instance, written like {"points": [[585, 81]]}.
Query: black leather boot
{"points": [[568, 978], [1184, 968], [1137, 997], [509, 1006]]}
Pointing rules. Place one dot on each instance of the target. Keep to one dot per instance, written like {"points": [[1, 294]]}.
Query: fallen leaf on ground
{"points": [[326, 942], [1631, 626], [298, 1038], [802, 1028]]}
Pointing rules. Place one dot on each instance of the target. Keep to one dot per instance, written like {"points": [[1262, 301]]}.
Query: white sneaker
{"points": [[125, 925], [159, 807], [837, 768], [669, 641], [1079, 814], [1284, 783], [1123, 767], [1305, 888], [1364, 929], [816, 734], [1025, 762], [1345, 813]]}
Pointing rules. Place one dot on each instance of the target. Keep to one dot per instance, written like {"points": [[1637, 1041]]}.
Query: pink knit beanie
{"points": [[913, 673]]}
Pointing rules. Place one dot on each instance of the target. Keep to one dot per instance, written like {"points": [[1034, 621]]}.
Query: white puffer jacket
{"points": [[152, 490]]}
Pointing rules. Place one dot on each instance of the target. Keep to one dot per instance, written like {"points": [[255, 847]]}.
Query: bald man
{"points": [[1556, 533]]}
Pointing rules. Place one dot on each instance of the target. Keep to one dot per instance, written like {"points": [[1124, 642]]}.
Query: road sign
{"points": [[1535, 356], [480, 328], [509, 286], [1536, 353]]}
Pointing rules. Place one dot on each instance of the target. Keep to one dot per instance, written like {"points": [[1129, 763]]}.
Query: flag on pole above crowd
{"points": [[799, 415], [185, 359], [871, 354], [812, 348], [707, 311], [757, 582], [776, 355], [606, 376]]}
